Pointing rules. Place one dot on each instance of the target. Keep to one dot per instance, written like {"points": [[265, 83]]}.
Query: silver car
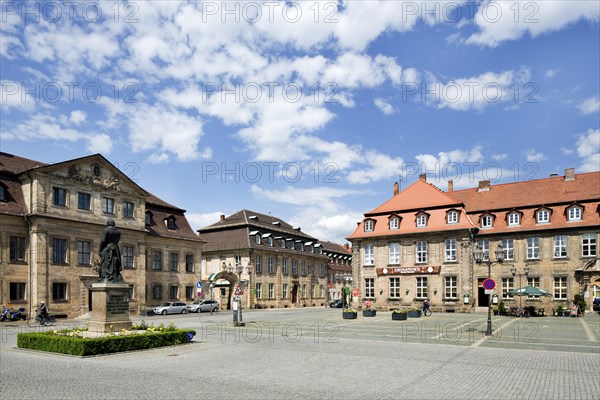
{"points": [[171, 307], [203, 305]]}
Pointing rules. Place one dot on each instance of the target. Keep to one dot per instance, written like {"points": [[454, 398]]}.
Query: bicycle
{"points": [[42, 321], [426, 311]]}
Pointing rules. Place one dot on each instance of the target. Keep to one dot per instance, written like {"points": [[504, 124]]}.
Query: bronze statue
{"points": [[110, 254]]}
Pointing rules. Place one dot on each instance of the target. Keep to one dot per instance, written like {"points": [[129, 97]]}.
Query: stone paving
{"points": [[315, 354]]}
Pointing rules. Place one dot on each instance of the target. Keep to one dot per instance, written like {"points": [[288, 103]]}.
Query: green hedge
{"points": [[78, 346]]}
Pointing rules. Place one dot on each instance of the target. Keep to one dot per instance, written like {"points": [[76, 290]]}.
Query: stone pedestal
{"points": [[110, 306]]}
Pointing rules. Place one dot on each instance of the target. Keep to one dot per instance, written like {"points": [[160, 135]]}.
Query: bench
{"points": [[541, 312]]}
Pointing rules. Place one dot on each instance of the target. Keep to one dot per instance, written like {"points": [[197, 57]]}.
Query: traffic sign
{"points": [[238, 291], [489, 284], [238, 298], [199, 285]]}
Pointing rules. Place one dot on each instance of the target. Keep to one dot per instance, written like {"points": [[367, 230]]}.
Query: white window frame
{"points": [[394, 253], [422, 287], [508, 247], [421, 220], [560, 246], [487, 221], [421, 252], [395, 288], [542, 216], [484, 245], [589, 246], [369, 254], [271, 264], [259, 290], [285, 291], [560, 288], [369, 225], [533, 281], [533, 248], [370, 287], [450, 252], [507, 284], [514, 219], [452, 217], [108, 205], [394, 223], [450, 287], [575, 213], [271, 290]]}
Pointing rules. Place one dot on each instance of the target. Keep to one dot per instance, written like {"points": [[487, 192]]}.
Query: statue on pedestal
{"points": [[110, 254]]}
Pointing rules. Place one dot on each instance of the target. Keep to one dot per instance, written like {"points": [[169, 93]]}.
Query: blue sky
{"points": [[306, 110]]}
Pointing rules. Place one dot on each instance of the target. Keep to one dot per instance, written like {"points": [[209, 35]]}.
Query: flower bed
{"points": [[80, 342], [399, 315], [369, 313], [349, 314]]}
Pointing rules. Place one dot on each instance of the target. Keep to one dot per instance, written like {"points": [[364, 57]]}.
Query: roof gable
{"points": [[420, 195]]}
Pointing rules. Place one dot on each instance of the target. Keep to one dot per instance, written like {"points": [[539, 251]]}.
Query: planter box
{"points": [[369, 313], [414, 314], [349, 315], [399, 316]]}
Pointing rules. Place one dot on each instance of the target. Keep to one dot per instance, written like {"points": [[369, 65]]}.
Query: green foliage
{"points": [[398, 311], [579, 301], [501, 307], [81, 346], [351, 310]]}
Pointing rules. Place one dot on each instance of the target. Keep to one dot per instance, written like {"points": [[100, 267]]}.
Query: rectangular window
{"points": [[173, 261], [394, 223], [304, 291], [189, 263], [313, 291], [83, 253], [294, 267], [560, 288], [59, 291], [421, 252], [369, 287], [486, 221], [533, 281], [84, 201], [271, 265], [533, 248], [285, 291], [271, 290], [369, 225], [394, 288], [452, 217], [513, 219], [258, 290], [588, 245], [543, 216], [369, 257], [484, 245], [17, 291], [394, 253], [108, 205], [127, 256], [322, 271], [507, 284], [258, 263], [575, 214], [421, 287], [59, 251], [59, 197], [450, 288], [189, 292], [17, 249], [450, 250], [131, 292], [303, 268], [157, 292], [284, 267], [422, 220], [560, 246], [173, 292], [157, 260], [509, 249], [128, 209]]}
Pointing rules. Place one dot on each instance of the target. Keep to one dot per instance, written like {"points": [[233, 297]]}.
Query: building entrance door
{"points": [[483, 300], [295, 294]]}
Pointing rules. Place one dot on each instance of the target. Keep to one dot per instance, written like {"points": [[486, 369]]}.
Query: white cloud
{"points": [[534, 156], [552, 72], [588, 148], [199, 220], [380, 166], [13, 95], [448, 159], [77, 117], [499, 157], [383, 106], [590, 106], [567, 151], [101, 143], [496, 19]]}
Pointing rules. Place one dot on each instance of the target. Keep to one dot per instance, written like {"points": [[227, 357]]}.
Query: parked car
{"points": [[596, 304], [171, 307], [203, 305], [339, 303]]}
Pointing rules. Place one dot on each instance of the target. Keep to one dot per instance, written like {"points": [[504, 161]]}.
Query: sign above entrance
{"points": [[409, 270], [238, 291]]}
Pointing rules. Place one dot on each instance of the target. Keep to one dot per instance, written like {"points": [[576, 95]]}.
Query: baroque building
{"points": [[339, 269], [52, 217], [281, 265], [419, 244]]}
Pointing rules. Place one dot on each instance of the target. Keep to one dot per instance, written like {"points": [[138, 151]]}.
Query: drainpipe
{"points": [[471, 267], [29, 229]]}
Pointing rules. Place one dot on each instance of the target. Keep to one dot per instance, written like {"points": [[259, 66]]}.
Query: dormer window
{"points": [[421, 220], [3, 194], [148, 219], [369, 225], [543, 216], [282, 243], [270, 241], [290, 244], [394, 223], [299, 245], [452, 217], [514, 219], [574, 213], [487, 221], [257, 238], [170, 221]]}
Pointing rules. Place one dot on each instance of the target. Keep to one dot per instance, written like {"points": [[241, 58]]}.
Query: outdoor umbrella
{"points": [[528, 291]]}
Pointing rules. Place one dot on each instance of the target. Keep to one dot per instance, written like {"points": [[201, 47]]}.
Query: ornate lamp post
{"points": [[514, 273], [480, 258]]}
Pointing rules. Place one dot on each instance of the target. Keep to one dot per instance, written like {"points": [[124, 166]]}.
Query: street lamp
{"points": [[514, 273], [480, 258]]}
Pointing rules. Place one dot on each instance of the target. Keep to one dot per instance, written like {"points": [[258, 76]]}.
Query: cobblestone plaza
{"points": [[314, 353]]}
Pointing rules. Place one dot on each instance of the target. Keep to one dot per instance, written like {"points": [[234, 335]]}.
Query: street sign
{"points": [[199, 285], [238, 291], [237, 298], [487, 291], [199, 294], [489, 284]]}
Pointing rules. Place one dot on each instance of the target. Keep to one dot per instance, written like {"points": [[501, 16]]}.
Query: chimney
{"points": [[569, 174], [484, 186], [396, 188], [222, 217], [423, 177], [450, 186]]}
